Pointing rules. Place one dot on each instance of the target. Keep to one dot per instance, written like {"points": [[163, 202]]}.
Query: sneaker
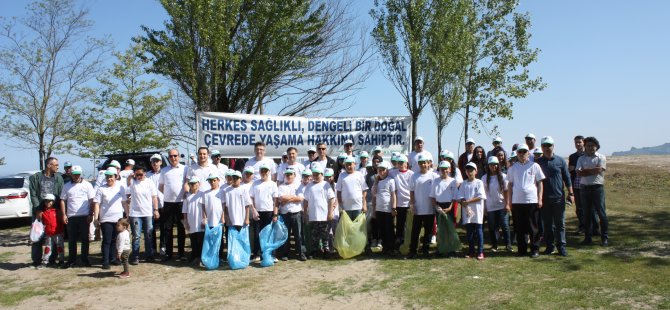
{"points": [[124, 275], [162, 252], [508, 248], [494, 249], [548, 251], [274, 259], [535, 254], [433, 240], [135, 261], [562, 252], [470, 255], [604, 242], [284, 258], [182, 257], [480, 256], [41, 266], [255, 258], [302, 258], [374, 243], [106, 267]]}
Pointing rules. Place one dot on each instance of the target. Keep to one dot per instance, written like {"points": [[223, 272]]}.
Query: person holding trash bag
{"points": [[236, 205], [263, 195], [421, 205], [443, 193], [318, 209], [213, 212]]}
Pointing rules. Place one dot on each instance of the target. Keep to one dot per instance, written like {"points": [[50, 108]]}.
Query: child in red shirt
{"points": [[53, 230]]}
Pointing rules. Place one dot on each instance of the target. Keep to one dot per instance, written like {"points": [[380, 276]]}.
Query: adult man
{"points": [[579, 209], [260, 159], [556, 174], [311, 156], [291, 163], [40, 184], [216, 162], [465, 158], [497, 147], [143, 198], [591, 168], [530, 142], [201, 170], [349, 147], [170, 183], [351, 190], [67, 174], [290, 208], [75, 207], [322, 158], [127, 170], [154, 175], [362, 166], [524, 198], [418, 149]]}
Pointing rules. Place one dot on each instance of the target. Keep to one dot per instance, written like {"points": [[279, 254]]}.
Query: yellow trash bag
{"points": [[350, 237], [404, 247]]}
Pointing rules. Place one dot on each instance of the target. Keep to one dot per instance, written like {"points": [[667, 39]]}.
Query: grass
{"points": [[13, 293], [6, 257]]}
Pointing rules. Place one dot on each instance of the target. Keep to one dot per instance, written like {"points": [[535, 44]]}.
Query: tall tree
{"points": [[414, 39], [242, 55], [46, 61], [127, 114], [498, 60]]}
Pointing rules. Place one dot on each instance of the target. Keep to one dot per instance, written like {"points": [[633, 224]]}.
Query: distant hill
{"points": [[652, 150]]}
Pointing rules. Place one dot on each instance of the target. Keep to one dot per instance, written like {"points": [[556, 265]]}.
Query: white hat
{"points": [[194, 180], [311, 149], [471, 165], [49, 197], [418, 138], [114, 163], [512, 154], [384, 165], [289, 171], [444, 164], [396, 154], [212, 176], [248, 169], [342, 156], [423, 157], [537, 151], [316, 170], [377, 149], [493, 160], [470, 140], [264, 166], [314, 165], [67, 164], [522, 146], [76, 169], [363, 154], [130, 162], [349, 159], [111, 171], [348, 141], [547, 140], [530, 136], [307, 172], [236, 174], [329, 172], [215, 153], [284, 154], [156, 157], [497, 140], [401, 158]]}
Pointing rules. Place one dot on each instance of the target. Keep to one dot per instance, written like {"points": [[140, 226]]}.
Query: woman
{"points": [[495, 183], [502, 160], [479, 158], [109, 205]]}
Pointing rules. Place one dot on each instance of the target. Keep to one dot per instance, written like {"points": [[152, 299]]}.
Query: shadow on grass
{"points": [[13, 266], [99, 274]]}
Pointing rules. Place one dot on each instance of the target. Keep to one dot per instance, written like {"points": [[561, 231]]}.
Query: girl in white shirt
{"points": [[472, 195], [497, 211], [192, 209], [384, 206]]}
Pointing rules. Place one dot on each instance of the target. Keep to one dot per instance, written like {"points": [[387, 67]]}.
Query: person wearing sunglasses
{"points": [[143, 198], [170, 183]]}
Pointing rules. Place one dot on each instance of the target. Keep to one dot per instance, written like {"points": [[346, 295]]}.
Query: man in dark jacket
{"points": [[42, 183], [323, 159]]}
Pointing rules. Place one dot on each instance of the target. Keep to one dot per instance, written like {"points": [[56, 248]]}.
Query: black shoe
{"points": [[106, 267], [508, 248], [604, 242], [535, 254], [548, 251], [579, 232], [68, 265], [116, 263], [86, 263], [182, 257], [586, 242], [410, 256], [166, 259], [150, 259], [302, 258], [562, 252], [135, 261]]}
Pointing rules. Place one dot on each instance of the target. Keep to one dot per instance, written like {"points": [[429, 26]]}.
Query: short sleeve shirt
{"points": [[202, 173], [421, 185], [444, 190], [141, 197], [236, 200], [385, 188], [495, 193], [297, 167], [155, 177], [110, 200], [352, 187], [402, 185], [474, 213], [264, 194], [77, 196], [253, 162], [192, 207], [317, 196], [289, 190], [213, 206], [587, 162], [172, 179], [523, 178]]}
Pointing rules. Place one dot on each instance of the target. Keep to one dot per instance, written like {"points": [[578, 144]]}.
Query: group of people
{"points": [[126, 204]]}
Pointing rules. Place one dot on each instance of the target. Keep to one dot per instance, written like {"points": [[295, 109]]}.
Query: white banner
{"points": [[234, 135]]}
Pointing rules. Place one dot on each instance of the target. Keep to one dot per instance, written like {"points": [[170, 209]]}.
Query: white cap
{"points": [[248, 169], [349, 159], [497, 140], [329, 172], [363, 154], [284, 154], [316, 170], [130, 162], [530, 136], [307, 172], [418, 138], [314, 165], [493, 160], [213, 176], [423, 157], [342, 156], [215, 153], [384, 165], [512, 154], [311, 149], [470, 140], [236, 174], [115, 163], [444, 164], [49, 197], [396, 154], [111, 171], [547, 140], [194, 180], [76, 169], [348, 141], [264, 166], [522, 146], [156, 157], [377, 149], [402, 158], [537, 151], [289, 171], [471, 165]]}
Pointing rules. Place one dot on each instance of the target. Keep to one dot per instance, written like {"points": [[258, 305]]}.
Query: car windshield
{"points": [[11, 183]]}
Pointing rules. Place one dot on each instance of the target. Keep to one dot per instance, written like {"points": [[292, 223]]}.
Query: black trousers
{"points": [[386, 233], [264, 218], [173, 215], [78, 229], [526, 222], [400, 219], [425, 222], [196, 244]]}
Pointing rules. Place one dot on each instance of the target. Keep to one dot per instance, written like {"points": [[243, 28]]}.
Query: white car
{"points": [[15, 196]]}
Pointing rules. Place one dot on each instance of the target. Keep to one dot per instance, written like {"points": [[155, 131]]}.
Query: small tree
{"points": [[126, 115], [44, 73], [2, 161]]}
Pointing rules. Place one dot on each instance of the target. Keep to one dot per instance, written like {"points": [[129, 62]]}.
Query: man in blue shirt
{"points": [[557, 176]]}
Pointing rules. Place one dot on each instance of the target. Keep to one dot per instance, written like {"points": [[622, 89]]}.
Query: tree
{"points": [[45, 72], [414, 39], [498, 61], [126, 114], [2, 161], [241, 56]]}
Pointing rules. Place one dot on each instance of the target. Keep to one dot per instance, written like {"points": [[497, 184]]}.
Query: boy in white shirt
{"points": [[318, 209], [263, 195], [471, 195], [444, 192], [402, 178], [422, 207], [213, 212], [290, 208], [351, 190], [193, 209], [236, 203], [384, 206]]}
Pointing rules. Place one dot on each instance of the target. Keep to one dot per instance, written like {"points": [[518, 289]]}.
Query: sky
{"points": [[605, 64]]}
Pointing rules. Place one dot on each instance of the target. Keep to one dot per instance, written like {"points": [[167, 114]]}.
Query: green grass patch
{"points": [[6, 257], [13, 294]]}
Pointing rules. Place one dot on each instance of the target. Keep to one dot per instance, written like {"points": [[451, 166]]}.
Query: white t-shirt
{"points": [[297, 167], [172, 179], [123, 174], [444, 190], [202, 173], [523, 178], [317, 196], [222, 170], [258, 163], [474, 213], [122, 240], [421, 185], [236, 200], [352, 187], [192, 207], [588, 162], [213, 206], [155, 177], [264, 195], [384, 189], [402, 185], [77, 196], [101, 179], [110, 198], [414, 160], [495, 195], [290, 190], [322, 163], [141, 197], [458, 176]]}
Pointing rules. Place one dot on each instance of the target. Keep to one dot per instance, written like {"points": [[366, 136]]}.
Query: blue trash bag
{"points": [[271, 238], [238, 247], [210, 247]]}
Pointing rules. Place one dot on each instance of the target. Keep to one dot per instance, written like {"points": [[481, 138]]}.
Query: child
{"points": [[318, 208], [192, 209], [472, 195], [123, 245], [384, 207], [401, 177], [328, 176], [497, 212], [53, 231], [444, 192], [421, 205]]}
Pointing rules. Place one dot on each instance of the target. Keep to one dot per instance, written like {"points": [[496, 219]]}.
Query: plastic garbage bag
{"points": [[36, 231], [447, 237], [404, 247], [271, 237], [239, 249], [211, 246], [351, 236]]}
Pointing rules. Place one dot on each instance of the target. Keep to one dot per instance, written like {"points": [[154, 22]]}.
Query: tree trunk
{"points": [[466, 121]]}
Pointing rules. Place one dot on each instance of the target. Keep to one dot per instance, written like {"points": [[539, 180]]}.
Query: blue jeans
{"points": [[498, 219], [593, 199], [473, 229], [136, 224], [108, 244], [553, 216]]}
